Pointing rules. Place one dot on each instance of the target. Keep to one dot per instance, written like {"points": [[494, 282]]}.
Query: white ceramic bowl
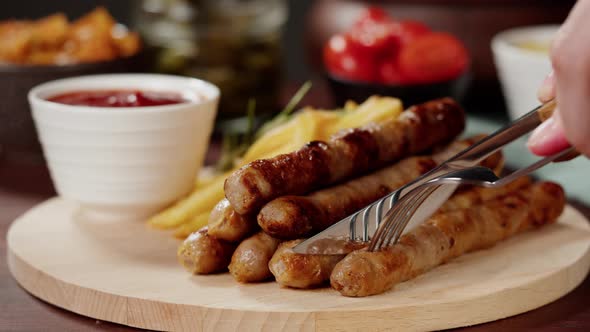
{"points": [[127, 162], [521, 70]]}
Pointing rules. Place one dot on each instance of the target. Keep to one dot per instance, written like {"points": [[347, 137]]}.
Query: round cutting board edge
{"points": [[165, 315]]}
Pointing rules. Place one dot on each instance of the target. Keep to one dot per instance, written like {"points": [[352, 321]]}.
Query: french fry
{"points": [[307, 128], [195, 223], [270, 142], [191, 213], [199, 201], [324, 120], [306, 123], [350, 106], [207, 175], [305, 131], [374, 109]]}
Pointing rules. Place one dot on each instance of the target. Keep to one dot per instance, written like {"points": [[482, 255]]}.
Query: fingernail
{"points": [[548, 138], [546, 91]]}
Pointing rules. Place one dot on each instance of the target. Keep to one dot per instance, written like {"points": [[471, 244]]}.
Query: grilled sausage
{"points": [[292, 217], [301, 271], [469, 196], [226, 224], [349, 153], [446, 236], [201, 253], [249, 263]]}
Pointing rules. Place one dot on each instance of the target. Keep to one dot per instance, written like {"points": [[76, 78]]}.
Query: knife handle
{"points": [[545, 112]]}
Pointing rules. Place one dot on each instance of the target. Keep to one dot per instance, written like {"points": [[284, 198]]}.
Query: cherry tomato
{"points": [[381, 38], [409, 31], [390, 74], [371, 33], [343, 60], [375, 41], [371, 15], [433, 57]]}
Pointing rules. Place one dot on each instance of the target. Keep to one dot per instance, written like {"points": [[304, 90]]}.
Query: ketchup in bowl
{"points": [[118, 98]]}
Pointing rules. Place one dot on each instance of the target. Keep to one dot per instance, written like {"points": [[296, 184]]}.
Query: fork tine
{"points": [[352, 227], [416, 204], [384, 228], [391, 225], [391, 201], [380, 220], [377, 237], [398, 216], [379, 214], [403, 220], [365, 220]]}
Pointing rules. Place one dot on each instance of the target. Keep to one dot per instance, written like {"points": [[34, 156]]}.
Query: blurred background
{"points": [[303, 26], [266, 49]]}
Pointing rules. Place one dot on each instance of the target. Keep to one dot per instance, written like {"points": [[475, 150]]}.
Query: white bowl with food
{"points": [[124, 145], [522, 60]]}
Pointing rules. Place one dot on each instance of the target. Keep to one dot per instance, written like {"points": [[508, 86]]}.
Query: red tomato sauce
{"points": [[118, 98]]}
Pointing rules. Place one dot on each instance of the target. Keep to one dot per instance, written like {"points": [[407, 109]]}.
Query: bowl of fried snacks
{"points": [[36, 51]]}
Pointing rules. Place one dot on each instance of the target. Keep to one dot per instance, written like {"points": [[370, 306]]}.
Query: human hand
{"points": [[569, 83]]}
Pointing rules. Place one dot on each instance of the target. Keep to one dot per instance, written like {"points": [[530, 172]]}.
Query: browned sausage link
{"points": [[348, 153], [303, 271], [291, 217], [446, 236], [204, 254], [226, 224], [469, 196], [283, 262], [249, 263], [307, 271]]}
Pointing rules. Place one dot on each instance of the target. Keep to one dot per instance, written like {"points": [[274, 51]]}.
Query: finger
{"points": [[574, 102], [549, 138], [570, 58], [546, 91]]}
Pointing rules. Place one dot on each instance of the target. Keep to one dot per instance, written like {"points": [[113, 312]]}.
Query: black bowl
{"points": [[344, 90], [18, 138]]}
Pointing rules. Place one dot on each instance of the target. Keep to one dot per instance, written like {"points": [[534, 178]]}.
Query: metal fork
{"points": [[397, 218], [407, 206]]}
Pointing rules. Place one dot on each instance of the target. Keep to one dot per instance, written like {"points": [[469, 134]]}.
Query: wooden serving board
{"points": [[128, 274]]}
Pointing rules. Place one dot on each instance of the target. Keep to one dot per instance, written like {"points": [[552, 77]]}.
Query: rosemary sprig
{"points": [[234, 145], [286, 113]]}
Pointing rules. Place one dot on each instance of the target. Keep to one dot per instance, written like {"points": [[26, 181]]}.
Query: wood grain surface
{"points": [[185, 316]]}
